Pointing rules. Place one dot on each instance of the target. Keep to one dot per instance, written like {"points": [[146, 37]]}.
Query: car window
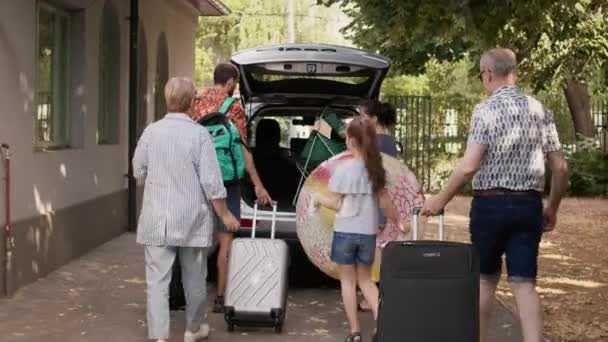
{"points": [[291, 127]]}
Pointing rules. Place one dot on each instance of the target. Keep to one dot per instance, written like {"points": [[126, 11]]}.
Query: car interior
{"points": [[279, 136]]}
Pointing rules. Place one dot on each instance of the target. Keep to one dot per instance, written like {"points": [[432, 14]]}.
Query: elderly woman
{"points": [[175, 157]]}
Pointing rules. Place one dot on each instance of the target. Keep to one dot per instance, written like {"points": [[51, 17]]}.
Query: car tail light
{"points": [[246, 223]]}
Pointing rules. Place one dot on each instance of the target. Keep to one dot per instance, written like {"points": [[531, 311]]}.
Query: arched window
{"points": [[109, 77], [162, 76]]}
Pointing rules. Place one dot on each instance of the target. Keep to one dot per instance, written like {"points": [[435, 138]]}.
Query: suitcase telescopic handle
{"points": [[272, 224], [416, 215]]}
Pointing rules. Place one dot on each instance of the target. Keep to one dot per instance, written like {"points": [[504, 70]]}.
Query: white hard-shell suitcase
{"points": [[256, 287]]}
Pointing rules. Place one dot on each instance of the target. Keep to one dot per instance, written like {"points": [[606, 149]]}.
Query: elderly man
{"points": [[176, 158], [511, 135]]}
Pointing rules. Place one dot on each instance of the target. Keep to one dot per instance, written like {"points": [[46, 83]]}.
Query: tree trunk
{"points": [[579, 102]]}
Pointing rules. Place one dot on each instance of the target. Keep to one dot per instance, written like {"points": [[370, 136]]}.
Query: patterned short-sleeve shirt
{"points": [[211, 101], [518, 131]]}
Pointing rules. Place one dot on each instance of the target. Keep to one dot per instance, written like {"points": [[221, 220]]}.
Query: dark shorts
{"points": [[233, 201], [510, 225], [350, 249]]}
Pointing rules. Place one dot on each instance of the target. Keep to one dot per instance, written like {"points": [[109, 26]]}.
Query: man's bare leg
{"points": [[529, 309]]}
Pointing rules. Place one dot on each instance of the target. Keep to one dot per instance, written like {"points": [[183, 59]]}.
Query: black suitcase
{"points": [[429, 290]]}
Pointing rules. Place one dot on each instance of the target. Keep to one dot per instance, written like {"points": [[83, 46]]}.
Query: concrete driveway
{"points": [[101, 297]]}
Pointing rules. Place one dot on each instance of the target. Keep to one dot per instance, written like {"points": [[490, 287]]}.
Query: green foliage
{"points": [[454, 80], [441, 79], [556, 102], [588, 170], [255, 23], [569, 40], [404, 84], [405, 31], [554, 39], [216, 39], [443, 167]]}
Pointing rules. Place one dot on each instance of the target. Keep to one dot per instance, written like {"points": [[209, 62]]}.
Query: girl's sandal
{"points": [[354, 337]]}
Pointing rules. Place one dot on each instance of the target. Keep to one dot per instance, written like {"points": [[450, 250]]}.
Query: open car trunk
{"points": [[296, 78], [313, 73]]}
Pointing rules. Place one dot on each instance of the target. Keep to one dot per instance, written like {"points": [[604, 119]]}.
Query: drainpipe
{"points": [[9, 242], [133, 99]]}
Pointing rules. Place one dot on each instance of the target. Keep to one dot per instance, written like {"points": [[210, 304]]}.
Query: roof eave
{"points": [[210, 7]]}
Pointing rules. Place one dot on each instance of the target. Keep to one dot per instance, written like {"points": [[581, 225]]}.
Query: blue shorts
{"points": [[510, 225], [233, 202], [350, 249]]}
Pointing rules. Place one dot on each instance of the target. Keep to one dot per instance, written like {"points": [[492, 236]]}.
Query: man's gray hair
{"points": [[501, 61]]}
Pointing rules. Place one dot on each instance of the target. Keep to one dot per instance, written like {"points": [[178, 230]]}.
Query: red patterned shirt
{"points": [[211, 101]]}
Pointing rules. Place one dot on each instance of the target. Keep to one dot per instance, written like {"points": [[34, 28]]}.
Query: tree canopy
{"points": [[555, 40], [257, 23]]}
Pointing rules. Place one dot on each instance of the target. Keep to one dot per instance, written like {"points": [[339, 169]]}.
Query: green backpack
{"points": [[227, 141]]}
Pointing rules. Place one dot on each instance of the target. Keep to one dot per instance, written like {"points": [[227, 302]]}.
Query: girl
{"points": [[355, 190]]}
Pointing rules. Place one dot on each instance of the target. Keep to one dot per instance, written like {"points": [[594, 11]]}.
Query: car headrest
{"points": [[268, 133]]}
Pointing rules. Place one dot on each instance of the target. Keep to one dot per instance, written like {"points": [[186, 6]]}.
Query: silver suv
{"points": [[284, 89]]}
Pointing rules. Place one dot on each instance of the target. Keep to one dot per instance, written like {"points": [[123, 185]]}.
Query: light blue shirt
{"points": [[359, 211], [175, 157]]}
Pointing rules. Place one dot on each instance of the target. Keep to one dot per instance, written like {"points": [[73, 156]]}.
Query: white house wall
{"points": [[66, 202]]}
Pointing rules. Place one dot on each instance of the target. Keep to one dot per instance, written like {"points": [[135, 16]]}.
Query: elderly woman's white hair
{"points": [[179, 93]]}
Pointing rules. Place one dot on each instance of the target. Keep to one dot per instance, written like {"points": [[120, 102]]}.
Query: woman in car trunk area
{"points": [[384, 117]]}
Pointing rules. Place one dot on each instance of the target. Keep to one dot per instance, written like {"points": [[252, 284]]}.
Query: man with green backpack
{"points": [[226, 121]]}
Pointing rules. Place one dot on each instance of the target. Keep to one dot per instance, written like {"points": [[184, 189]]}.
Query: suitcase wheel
{"points": [[277, 315], [228, 314]]}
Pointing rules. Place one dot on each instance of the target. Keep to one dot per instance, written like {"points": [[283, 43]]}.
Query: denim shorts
{"points": [[350, 249], [510, 225], [233, 202]]}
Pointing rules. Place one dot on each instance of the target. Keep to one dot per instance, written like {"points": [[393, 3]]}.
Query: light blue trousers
{"points": [[159, 261]]}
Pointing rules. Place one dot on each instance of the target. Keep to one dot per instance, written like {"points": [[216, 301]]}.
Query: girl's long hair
{"points": [[364, 134]]}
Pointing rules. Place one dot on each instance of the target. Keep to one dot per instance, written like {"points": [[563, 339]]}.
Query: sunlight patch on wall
{"points": [[63, 170], [43, 208], [27, 91]]}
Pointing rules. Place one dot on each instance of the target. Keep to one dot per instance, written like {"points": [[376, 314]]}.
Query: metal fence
{"points": [[413, 131], [599, 116], [434, 129]]}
